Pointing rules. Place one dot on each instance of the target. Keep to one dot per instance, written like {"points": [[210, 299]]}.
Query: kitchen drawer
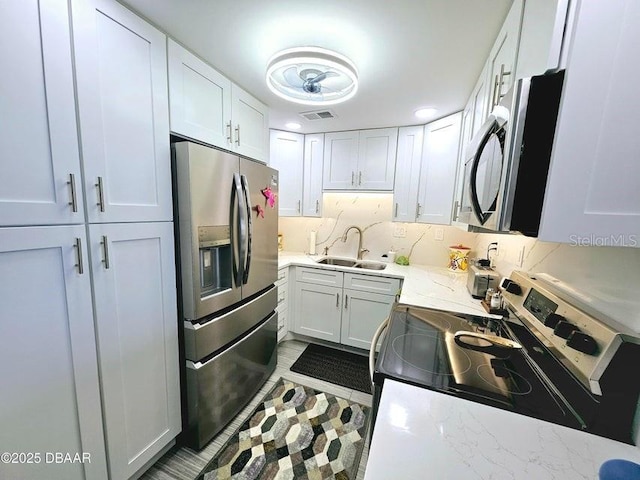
{"points": [[319, 276], [282, 319], [283, 298], [371, 283], [283, 276]]}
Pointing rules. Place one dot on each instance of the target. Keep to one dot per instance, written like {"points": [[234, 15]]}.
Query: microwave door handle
{"points": [[237, 230], [247, 197], [475, 202]]}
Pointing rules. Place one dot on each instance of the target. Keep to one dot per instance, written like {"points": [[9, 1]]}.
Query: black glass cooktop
{"points": [[420, 348]]}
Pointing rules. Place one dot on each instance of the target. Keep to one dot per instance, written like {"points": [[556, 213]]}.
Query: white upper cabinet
{"points": [[40, 180], [480, 100], [503, 57], [541, 36], [593, 192], [50, 398], [199, 99], [312, 176], [377, 159], [286, 156], [360, 160], [121, 71], [250, 121], [409, 160], [340, 160], [206, 106], [465, 136], [426, 173], [438, 171], [137, 334]]}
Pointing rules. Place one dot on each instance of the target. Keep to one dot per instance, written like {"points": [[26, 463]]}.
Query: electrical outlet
{"points": [[400, 231], [439, 234]]}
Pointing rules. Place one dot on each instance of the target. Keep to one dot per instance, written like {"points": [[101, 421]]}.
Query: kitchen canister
{"points": [[458, 258]]}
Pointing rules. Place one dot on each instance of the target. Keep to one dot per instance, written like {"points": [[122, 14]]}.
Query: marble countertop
{"points": [[424, 434], [423, 285]]}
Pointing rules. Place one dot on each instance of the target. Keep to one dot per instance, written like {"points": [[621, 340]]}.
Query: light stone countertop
{"points": [[422, 434], [423, 285]]}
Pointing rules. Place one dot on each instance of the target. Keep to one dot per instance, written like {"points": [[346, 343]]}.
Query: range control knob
{"points": [[564, 329], [510, 286], [582, 342], [553, 319]]}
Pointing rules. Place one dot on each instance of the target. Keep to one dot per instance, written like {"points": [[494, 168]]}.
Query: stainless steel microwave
{"points": [[507, 161]]}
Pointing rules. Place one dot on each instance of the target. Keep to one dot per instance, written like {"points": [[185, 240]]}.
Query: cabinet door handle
{"points": [[72, 188], [78, 247], [337, 300], [229, 137], [238, 135], [299, 205], [346, 302], [317, 206], [418, 207], [352, 177], [456, 205], [395, 215], [105, 251], [494, 102], [359, 178], [503, 74], [100, 187]]}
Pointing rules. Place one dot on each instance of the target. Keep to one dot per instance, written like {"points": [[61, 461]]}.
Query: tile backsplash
{"points": [[372, 212], [607, 278]]}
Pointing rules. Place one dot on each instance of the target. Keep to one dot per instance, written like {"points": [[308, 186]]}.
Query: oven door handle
{"points": [[493, 340]]}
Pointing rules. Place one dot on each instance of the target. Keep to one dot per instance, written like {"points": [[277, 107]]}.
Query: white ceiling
{"points": [[409, 53]]}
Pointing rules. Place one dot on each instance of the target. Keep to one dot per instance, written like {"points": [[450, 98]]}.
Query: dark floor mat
{"points": [[336, 366]]}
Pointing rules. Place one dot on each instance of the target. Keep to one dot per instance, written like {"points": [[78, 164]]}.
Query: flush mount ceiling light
{"points": [[312, 76], [293, 125], [425, 112]]}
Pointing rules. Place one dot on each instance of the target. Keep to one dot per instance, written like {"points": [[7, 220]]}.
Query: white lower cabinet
{"points": [[362, 314], [50, 399], [341, 307], [282, 283], [135, 304]]}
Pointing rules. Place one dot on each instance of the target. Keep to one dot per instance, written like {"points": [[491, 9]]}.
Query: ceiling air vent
{"points": [[318, 115]]}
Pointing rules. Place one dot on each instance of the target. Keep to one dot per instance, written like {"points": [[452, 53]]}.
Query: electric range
{"points": [[548, 359]]}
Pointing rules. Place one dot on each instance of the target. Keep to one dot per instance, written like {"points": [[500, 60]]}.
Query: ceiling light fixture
{"points": [[425, 112], [293, 125], [312, 76]]}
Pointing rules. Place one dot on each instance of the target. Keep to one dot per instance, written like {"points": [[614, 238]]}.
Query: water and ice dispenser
{"points": [[215, 259]]}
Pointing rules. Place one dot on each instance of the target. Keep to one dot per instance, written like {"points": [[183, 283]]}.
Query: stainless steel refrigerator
{"points": [[228, 263]]}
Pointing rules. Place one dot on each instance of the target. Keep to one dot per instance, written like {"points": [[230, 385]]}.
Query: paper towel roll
{"points": [[312, 242]]}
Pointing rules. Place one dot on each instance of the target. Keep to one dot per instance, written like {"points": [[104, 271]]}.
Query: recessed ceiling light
{"points": [[312, 76], [425, 112], [293, 125]]}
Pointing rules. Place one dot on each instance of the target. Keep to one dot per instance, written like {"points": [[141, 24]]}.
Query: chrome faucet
{"points": [[360, 249]]}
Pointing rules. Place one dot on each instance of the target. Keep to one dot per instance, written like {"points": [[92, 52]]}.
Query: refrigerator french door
{"points": [[227, 238]]}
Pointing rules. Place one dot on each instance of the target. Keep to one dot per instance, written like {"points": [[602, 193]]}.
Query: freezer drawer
{"points": [[219, 389], [201, 340]]}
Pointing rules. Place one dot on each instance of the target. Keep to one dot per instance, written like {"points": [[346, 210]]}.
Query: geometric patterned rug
{"points": [[297, 433]]}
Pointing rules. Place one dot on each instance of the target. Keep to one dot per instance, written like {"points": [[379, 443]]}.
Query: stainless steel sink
{"points": [[371, 265], [345, 262], [341, 262]]}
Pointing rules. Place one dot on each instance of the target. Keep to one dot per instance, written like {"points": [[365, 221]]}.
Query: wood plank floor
{"points": [[185, 464]]}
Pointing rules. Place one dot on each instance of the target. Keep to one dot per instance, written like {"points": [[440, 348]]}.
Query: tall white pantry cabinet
{"points": [[88, 323]]}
